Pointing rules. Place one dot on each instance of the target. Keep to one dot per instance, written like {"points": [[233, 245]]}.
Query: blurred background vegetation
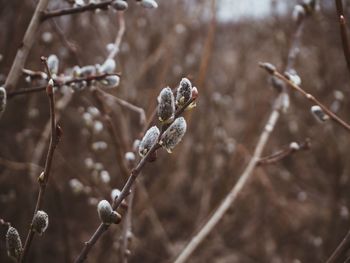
{"points": [[294, 211]]}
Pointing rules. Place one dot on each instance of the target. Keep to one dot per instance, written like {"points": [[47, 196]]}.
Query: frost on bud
{"points": [[108, 66], [106, 213], [119, 5], [149, 4], [13, 243], [53, 63], [166, 105], [173, 135], [298, 13], [319, 113], [40, 222], [3, 99], [110, 82], [148, 140], [184, 92]]}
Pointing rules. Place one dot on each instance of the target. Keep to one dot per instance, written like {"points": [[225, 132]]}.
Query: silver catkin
{"points": [[148, 140], [53, 64], [13, 243], [3, 100], [40, 222], [173, 135], [104, 210], [184, 92], [166, 105]]}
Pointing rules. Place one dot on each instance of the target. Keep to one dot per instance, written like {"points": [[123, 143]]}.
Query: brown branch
{"points": [[75, 10], [59, 84], [340, 252], [44, 177], [27, 43], [284, 153], [343, 32], [119, 37], [273, 71], [126, 190]]}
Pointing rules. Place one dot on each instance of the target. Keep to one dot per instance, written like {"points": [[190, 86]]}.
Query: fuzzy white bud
{"points": [[173, 135], [119, 5], [149, 4], [108, 66], [87, 71], [148, 140], [53, 64], [319, 114], [294, 146], [13, 243], [40, 222], [76, 186], [166, 106], [298, 13], [106, 213], [3, 100], [115, 193], [184, 92], [293, 76], [110, 82], [130, 156]]}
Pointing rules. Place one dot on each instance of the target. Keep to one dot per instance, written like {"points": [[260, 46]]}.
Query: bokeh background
{"points": [[296, 210]]}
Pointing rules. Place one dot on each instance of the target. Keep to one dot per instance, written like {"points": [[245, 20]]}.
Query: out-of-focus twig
{"points": [[75, 10], [119, 37], [27, 43], [44, 177], [343, 32], [273, 71], [340, 252]]}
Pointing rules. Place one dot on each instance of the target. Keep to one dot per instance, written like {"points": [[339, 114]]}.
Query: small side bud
{"points": [[271, 69], [13, 243], [293, 76], [319, 114], [166, 106], [119, 5], [184, 92], [148, 140], [40, 222], [149, 4], [110, 82], [115, 193], [53, 64], [115, 217], [195, 92], [3, 100], [130, 157], [173, 135], [105, 212]]}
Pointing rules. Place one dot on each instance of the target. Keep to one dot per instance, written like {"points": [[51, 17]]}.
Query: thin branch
{"points": [[126, 190], [284, 153], [27, 43], [340, 252], [343, 32], [308, 96], [44, 177], [59, 83], [119, 37], [75, 10]]}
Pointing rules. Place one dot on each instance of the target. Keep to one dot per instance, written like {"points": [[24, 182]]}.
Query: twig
{"points": [[308, 96], [119, 37], [59, 84], [126, 232], [125, 191], [27, 43], [232, 195], [340, 251], [343, 32], [278, 156], [75, 10], [44, 177]]}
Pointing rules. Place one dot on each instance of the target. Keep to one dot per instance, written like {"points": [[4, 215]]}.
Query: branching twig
{"points": [[308, 96], [278, 156], [44, 177], [59, 84], [343, 32], [75, 10], [126, 190]]}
